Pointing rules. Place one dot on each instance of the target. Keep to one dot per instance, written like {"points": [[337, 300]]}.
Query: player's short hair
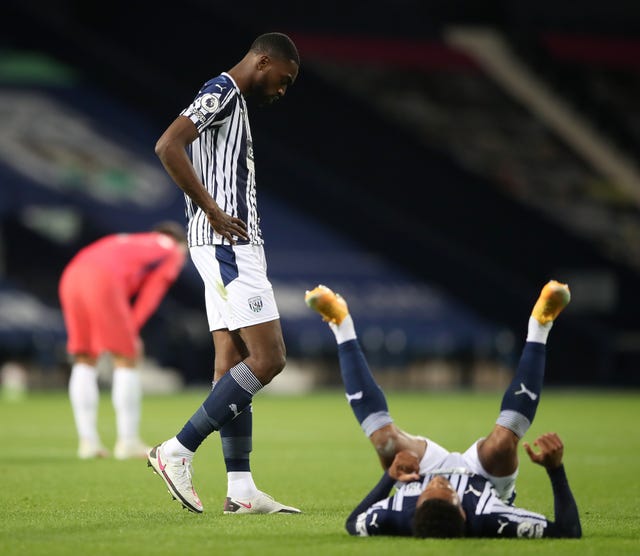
{"points": [[171, 229], [278, 45], [437, 518]]}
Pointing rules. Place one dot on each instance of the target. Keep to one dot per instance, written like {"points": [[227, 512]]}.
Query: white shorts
{"points": [[236, 289], [438, 458]]}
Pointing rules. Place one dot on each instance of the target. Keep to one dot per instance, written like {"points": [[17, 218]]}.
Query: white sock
{"points": [[240, 485], [84, 396], [344, 331], [538, 332], [173, 448], [126, 396]]}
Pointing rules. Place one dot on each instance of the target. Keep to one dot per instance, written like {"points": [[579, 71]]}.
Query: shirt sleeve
{"points": [[156, 285], [212, 106], [567, 518], [355, 521], [505, 520]]}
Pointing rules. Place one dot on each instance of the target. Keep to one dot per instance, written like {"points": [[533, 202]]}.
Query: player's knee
{"points": [[267, 368], [501, 441], [386, 443], [276, 365], [504, 450], [499, 454]]}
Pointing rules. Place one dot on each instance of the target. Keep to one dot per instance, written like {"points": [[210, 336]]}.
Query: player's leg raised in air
{"points": [[366, 398], [498, 451]]}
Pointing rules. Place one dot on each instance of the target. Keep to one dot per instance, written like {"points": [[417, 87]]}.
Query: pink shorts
{"points": [[97, 313]]}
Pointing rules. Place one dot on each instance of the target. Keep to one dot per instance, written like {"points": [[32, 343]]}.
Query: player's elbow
{"points": [[161, 148], [568, 530], [350, 526], [575, 532]]}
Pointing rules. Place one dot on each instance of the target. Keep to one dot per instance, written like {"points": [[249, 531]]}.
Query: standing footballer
{"points": [[208, 151]]}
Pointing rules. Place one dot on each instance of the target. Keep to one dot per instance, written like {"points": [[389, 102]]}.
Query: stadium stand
{"points": [[493, 199], [83, 169]]}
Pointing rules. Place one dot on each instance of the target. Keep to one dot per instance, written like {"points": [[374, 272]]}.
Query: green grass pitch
{"points": [[308, 452]]}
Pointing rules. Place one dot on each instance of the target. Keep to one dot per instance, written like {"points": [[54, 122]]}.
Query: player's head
{"points": [[276, 66], [439, 513], [277, 45], [171, 229]]}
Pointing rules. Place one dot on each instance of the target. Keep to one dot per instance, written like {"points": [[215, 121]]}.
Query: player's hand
{"points": [[405, 467], [551, 450], [227, 226]]}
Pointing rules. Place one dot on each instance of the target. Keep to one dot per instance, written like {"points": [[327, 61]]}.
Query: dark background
{"points": [[449, 227]]}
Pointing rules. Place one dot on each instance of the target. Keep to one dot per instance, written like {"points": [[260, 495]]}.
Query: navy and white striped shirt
{"points": [[487, 515], [223, 159]]}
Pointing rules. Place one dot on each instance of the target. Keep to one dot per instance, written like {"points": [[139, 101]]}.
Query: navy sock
{"points": [[366, 398], [520, 400], [232, 393], [236, 440]]}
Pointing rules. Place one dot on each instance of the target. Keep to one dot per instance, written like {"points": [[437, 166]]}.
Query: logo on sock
{"points": [[233, 407], [352, 397], [523, 390]]}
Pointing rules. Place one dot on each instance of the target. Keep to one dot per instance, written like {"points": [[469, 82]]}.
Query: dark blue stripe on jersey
{"points": [[243, 175], [227, 163], [227, 260]]}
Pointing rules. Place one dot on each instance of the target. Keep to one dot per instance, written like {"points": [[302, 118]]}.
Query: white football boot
{"points": [[261, 503], [176, 473]]}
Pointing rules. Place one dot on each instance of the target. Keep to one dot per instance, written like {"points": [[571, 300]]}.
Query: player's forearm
{"points": [[380, 491], [148, 299], [567, 519], [179, 167]]}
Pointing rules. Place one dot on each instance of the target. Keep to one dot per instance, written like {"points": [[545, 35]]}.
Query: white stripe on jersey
{"points": [[484, 499], [459, 482]]}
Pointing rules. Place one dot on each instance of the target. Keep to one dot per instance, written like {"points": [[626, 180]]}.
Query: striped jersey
{"points": [[222, 156], [487, 514]]}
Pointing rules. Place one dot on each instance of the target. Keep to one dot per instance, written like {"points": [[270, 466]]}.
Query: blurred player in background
{"points": [[96, 291], [449, 494], [208, 151]]}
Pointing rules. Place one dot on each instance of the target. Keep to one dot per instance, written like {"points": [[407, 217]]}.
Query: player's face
{"points": [[440, 488], [274, 78]]}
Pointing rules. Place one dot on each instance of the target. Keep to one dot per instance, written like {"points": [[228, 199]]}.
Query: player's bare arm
{"points": [[171, 150]]}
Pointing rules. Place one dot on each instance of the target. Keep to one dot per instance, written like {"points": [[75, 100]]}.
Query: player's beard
{"points": [[267, 100]]}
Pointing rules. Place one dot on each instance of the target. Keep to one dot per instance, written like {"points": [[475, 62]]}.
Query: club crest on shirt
{"points": [[414, 488], [255, 304]]}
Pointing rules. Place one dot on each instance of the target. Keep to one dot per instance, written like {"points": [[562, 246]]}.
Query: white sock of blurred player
{"points": [[126, 396], [84, 396]]}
